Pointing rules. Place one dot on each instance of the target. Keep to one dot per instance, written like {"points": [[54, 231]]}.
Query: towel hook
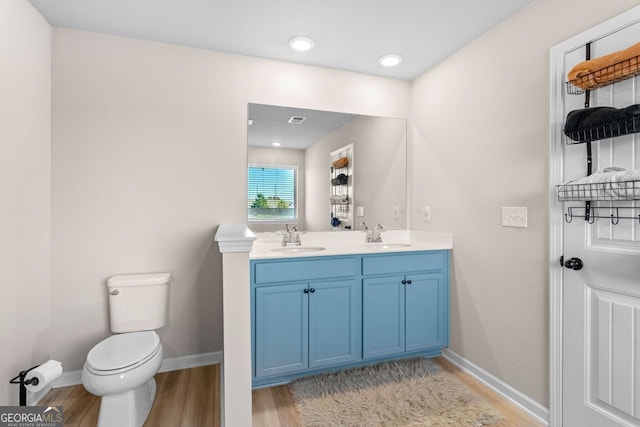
{"points": [[568, 216], [617, 218]]}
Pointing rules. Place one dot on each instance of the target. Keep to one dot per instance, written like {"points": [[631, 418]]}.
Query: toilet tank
{"points": [[138, 302]]}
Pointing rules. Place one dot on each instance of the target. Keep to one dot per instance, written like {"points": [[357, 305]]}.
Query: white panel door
{"points": [[601, 301]]}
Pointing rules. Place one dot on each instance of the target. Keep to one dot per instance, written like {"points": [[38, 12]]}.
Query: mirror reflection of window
{"points": [[272, 193]]}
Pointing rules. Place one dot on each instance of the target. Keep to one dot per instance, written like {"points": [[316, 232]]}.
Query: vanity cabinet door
{"points": [[403, 314], [425, 311], [383, 312], [281, 329], [334, 323]]}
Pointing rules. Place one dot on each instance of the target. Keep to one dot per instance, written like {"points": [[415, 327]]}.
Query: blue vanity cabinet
{"points": [[405, 313], [315, 314], [308, 324]]}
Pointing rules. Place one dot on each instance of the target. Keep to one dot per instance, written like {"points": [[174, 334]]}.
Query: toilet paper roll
{"points": [[44, 375]]}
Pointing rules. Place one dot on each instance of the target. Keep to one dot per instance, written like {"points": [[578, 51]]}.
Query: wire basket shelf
{"points": [[607, 130], [605, 76], [599, 191]]}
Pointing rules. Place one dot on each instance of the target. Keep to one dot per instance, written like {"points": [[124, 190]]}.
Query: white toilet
{"points": [[121, 367]]}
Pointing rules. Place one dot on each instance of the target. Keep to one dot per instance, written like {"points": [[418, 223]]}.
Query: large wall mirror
{"points": [[323, 171]]}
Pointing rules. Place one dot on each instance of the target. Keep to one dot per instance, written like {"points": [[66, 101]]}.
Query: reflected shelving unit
{"points": [[341, 185]]}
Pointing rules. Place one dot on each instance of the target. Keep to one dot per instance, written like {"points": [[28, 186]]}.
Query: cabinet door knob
{"points": [[312, 290], [306, 291], [404, 282], [408, 282]]}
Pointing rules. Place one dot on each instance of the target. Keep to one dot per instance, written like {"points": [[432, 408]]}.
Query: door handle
{"points": [[573, 263]]}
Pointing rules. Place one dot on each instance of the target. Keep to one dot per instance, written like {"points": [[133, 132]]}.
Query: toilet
{"points": [[121, 367]]}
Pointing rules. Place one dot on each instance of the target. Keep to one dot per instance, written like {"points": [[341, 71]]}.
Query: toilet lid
{"points": [[123, 350]]}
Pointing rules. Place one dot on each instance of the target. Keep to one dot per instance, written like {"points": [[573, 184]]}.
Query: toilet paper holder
{"points": [[21, 379]]}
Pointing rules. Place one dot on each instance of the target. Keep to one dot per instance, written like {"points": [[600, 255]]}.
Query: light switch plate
{"points": [[514, 217], [360, 211], [426, 213]]}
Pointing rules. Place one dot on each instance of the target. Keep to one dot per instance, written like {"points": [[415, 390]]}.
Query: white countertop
{"points": [[269, 245]]}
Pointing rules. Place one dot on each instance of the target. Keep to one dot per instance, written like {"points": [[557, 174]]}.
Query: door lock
{"points": [[572, 263]]}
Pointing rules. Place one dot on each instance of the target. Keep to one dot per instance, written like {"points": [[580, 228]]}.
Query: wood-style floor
{"points": [[191, 398], [186, 398]]}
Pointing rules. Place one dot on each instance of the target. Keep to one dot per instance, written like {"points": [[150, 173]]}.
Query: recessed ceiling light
{"points": [[275, 144], [301, 43], [390, 60]]}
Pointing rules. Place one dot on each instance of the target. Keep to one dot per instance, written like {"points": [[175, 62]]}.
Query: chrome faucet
{"points": [[377, 234], [373, 236], [291, 237]]}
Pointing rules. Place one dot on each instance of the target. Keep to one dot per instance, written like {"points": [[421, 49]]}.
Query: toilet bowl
{"points": [[120, 369]]}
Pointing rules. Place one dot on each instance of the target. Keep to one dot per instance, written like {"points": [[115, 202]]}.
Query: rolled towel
{"points": [[591, 124], [608, 68], [613, 169], [628, 175], [341, 179], [626, 184], [342, 162], [339, 199], [596, 177]]}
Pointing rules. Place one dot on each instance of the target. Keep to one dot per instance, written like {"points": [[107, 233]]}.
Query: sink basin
{"points": [[383, 245], [298, 249]]}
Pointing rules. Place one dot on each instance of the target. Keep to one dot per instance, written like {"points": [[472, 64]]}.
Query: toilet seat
{"points": [[123, 352]]}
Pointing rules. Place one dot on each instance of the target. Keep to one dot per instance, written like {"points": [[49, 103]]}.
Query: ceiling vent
{"points": [[296, 120]]}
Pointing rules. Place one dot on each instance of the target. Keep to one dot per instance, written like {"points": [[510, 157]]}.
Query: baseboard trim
{"points": [[169, 364], [522, 401], [191, 361]]}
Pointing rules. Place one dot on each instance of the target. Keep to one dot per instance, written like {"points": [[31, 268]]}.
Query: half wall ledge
{"points": [[234, 238], [235, 242]]}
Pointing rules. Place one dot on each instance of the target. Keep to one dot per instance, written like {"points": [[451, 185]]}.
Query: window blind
{"points": [[272, 193]]}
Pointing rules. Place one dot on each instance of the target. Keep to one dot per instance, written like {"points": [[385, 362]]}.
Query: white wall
{"points": [[149, 156], [25, 124], [281, 156], [380, 169], [379, 172], [479, 142]]}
